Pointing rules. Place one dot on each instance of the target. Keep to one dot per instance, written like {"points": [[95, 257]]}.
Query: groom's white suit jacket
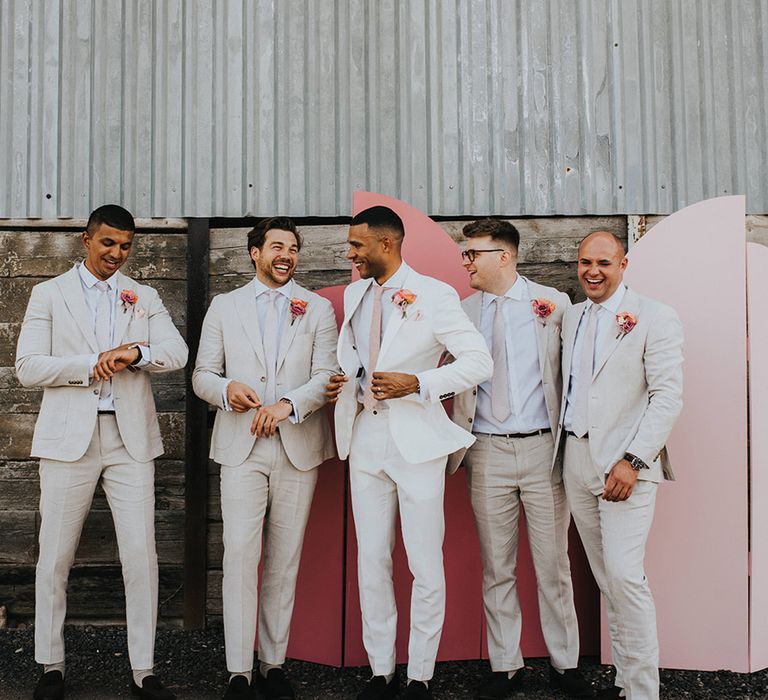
{"points": [[433, 324]]}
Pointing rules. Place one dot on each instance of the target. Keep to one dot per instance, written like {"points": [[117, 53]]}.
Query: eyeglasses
{"points": [[470, 254]]}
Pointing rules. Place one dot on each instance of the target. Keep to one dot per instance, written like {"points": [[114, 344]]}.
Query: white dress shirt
{"points": [[526, 393], [91, 294], [606, 326], [282, 304]]}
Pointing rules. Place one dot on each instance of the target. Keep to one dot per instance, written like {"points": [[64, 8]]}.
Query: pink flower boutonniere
{"points": [[542, 307], [129, 298], [626, 323], [298, 309], [402, 298]]}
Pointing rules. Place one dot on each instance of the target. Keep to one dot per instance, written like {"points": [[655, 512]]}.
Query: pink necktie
{"points": [[269, 340], [103, 329], [374, 344], [500, 380], [586, 367]]}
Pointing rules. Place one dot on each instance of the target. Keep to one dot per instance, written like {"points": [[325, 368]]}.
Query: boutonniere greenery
{"points": [[298, 309], [626, 322], [402, 299], [542, 307]]}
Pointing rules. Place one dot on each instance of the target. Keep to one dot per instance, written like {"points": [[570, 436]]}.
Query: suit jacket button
{"points": [[354, 347], [263, 379], [375, 413], [469, 419], [95, 392], [474, 392]]}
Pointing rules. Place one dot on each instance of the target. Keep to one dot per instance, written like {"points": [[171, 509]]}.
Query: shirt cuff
{"points": [[146, 356], [224, 401], [423, 388], [293, 418]]}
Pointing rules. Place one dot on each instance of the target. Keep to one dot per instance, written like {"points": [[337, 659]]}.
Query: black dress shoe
{"points": [[416, 690], [50, 686], [275, 686], [500, 685], [612, 693], [151, 689], [378, 689], [238, 689], [571, 682]]}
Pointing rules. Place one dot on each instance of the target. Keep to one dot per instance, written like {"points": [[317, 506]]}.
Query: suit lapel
{"points": [[74, 299], [542, 332], [245, 303], [630, 303], [291, 325], [354, 296], [569, 337], [123, 315], [397, 318]]}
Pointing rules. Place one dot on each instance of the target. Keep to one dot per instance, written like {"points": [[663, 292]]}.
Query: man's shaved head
{"points": [[608, 237], [602, 261]]}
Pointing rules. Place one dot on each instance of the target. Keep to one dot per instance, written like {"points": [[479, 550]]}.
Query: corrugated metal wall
{"points": [[519, 107]]}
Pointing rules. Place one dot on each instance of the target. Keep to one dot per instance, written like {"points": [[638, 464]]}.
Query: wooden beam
{"points": [[196, 462]]}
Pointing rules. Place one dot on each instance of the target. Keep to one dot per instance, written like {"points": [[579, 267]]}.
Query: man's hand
{"points": [[620, 482], [334, 386], [110, 362], [393, 385], [267, 417], [241, 397]]}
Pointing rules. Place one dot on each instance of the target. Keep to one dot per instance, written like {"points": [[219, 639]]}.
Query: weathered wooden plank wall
{"points": [[547, 254]]}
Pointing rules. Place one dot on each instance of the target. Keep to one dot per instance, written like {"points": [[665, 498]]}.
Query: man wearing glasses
{"points": [[513, 417]]}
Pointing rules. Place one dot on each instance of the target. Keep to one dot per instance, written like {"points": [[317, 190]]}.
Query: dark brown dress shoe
{"points": [[570, 682], [238, 689], [275, 686], [378, 689], [416, 690], [151, 689], [50, 686], [612, 693]]}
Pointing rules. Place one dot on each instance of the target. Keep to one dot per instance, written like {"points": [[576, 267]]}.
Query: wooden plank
{"points": [[19, 537], [213, 603], [94, 592]]}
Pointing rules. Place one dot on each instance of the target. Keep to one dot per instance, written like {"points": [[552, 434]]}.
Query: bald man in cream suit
{"points": [[92, 338], [622, 364], [389, 420], [266, 352], [514, 417]]}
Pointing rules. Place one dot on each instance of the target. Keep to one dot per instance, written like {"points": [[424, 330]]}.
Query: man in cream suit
{"points": [[622, 364], [91, 338], [514, 416], [389, 420], [266, 353]]}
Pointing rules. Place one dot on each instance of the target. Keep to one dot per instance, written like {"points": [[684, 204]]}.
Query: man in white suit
{"points": [[622, 358], [389, 420], [91, 338], [514, 416], [266, 353]]}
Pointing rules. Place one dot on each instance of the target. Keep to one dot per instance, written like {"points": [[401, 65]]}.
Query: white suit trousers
{"points": [[501, 473], [264, 493], [614, 536], [66, 492], [382, 483]]}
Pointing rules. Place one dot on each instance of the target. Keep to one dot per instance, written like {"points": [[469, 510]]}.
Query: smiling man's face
{"points": [[277, 259], [106, 250], [601, 266]]}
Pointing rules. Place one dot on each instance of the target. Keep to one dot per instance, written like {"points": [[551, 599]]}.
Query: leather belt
{"points": [[106, 413], [543, 431], [572, 434]]}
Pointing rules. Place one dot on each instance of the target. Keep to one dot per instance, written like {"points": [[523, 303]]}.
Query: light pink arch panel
{"points": [[697, 554]]}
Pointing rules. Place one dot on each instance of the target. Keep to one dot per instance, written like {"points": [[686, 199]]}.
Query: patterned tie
{"points": [[500, 406], [269, 340], [104, 330], [374, 344], [586, 367]]}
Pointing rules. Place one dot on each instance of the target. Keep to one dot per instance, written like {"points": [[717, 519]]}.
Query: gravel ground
{"points": [[191, 663]]}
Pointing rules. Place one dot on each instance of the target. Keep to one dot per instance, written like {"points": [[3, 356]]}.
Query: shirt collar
{"points": [[397, 280], [90, 280], [260, 288], [612, 302], [518, 291]]}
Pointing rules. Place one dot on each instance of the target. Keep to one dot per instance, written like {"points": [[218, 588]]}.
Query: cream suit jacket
{"points": [[637, 386], [434, 323], [548, 344], [231, 348], [54, 351]]}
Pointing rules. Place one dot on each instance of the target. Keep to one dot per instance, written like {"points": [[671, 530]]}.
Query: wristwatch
{"points": [[635, 462]]}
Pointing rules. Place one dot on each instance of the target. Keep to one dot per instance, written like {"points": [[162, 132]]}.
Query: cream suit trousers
{"points": [[501, 473], [614, 537], [266, 493], [382, 482], [66, 492]]}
